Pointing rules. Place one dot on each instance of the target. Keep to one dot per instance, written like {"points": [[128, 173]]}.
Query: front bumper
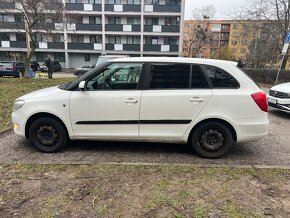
{"points": [[279, 103], [19, 123]]}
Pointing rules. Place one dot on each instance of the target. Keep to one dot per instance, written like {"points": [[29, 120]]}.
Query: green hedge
{"points": [[268, 76]]}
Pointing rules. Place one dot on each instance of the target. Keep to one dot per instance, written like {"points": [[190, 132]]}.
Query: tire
{"points": [[47, 135], [19, 74], [212, 140]]}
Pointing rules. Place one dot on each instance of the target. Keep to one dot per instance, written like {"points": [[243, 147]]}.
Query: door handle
{"points": [[131, 101], [196, 99]]}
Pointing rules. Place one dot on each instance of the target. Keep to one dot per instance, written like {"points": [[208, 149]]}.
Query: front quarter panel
{"points": [[57, 105]]}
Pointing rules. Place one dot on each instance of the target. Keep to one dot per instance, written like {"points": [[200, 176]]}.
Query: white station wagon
{"points": [[207, 103]]}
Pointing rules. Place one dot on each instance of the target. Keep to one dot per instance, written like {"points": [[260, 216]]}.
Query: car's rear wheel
{"points": [[19, 74], [47, 135], [212, 140]]}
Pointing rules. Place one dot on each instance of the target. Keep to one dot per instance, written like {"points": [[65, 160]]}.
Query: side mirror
{"points": [[82, 85]]}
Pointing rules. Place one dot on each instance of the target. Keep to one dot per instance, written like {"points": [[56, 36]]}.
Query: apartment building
{"points": [[228, 39], [130, 27]]}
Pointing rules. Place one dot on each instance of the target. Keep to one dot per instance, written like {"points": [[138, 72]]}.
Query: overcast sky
{"points": [[223, 7]]}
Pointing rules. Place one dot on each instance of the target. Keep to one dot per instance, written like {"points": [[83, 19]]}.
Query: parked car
{"points": [[83, 69], [207, 103], [279, 97], [34, 65], [12, 68], [56, 66], [104, 58]]}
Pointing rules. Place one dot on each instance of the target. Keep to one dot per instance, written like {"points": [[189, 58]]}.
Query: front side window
{"points": [[170, 76], [118, 76], [220, 78]]}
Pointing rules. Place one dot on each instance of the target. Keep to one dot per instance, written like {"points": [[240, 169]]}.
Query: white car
{"points": [[279, 97], [207, 103]]}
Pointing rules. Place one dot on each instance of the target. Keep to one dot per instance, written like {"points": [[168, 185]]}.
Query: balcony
{"points": [[161, 48], [89, 27], [123, 28], [12, 25], [163, 28], [122, 47], [83, 7], [85, 46], [162, 8], [7, 5], [17, 44], [123, 8], [55, 45]]}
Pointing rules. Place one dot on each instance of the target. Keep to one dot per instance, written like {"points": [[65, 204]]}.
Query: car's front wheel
{"points": [[47, 135], [212, 140]]}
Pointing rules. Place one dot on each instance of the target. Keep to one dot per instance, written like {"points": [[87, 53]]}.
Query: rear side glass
{"points": [[220, 78], [198, 79], [170, 76]]}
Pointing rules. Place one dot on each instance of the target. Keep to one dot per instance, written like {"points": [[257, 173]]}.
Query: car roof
{"points": [[175, 60], [113, 56]]}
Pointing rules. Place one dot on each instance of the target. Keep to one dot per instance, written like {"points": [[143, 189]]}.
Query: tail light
{"points": [[261, 100]]}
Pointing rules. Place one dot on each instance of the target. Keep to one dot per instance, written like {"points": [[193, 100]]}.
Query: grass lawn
{"points": [[142, 191], [12, 88]]}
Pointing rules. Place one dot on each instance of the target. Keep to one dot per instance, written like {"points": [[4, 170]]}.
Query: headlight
{"points": [[18, 104]]}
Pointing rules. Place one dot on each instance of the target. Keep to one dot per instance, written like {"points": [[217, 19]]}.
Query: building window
{"points": [[87, 57], [151, 2], [170, 21], [133, 2], [20, 37], [170, 41], [234, 50], [77, 39], [59, 56], [172, 2], [114, 20], [95, 39], [114, 2], [95, 20], [133, 20], [41, 56], [235, 26], [5, 37], [244, 42], [133, 40], [4, 18], [151, 21], [234, 42], [12, 56], [114, 39], [235, 34], [243, 50], [19, 19]]}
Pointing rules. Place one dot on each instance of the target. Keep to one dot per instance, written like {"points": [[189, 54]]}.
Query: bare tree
{"points": [[40, 18], [199, 35], [276, 14]]}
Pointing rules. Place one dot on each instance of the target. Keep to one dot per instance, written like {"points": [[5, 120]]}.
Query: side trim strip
{"points": [[128, 122]]}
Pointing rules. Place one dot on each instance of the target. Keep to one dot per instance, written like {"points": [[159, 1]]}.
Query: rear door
{"points": [[173, 97]]}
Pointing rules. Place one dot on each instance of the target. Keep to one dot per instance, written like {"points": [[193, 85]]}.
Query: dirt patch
{"points": [[142, 191]]}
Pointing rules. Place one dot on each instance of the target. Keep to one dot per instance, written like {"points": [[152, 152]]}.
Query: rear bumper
{"points": [[251, 129]]}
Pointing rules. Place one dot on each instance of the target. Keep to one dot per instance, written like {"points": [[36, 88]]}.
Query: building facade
{"points": [[129, 27], [228, 39]]}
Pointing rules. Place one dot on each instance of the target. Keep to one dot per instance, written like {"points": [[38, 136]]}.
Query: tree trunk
{"points": [[27, 62]]}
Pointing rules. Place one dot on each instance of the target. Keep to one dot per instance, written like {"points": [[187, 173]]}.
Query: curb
{"points": [[5, 131]]}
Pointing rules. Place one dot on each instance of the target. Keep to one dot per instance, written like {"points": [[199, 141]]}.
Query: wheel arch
{"points": [[226, 123], [40, 115]]}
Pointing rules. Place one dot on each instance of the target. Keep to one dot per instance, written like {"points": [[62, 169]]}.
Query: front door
{"points": [[109, 106]]}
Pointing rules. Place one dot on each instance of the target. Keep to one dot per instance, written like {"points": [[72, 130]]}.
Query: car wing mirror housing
{"points": [[82, 85]]}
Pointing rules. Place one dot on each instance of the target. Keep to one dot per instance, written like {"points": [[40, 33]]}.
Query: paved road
{"points": [[273, 150]]}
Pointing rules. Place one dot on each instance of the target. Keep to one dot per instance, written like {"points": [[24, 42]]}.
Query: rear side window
{"points": [[220, 78], [170, 76]]}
